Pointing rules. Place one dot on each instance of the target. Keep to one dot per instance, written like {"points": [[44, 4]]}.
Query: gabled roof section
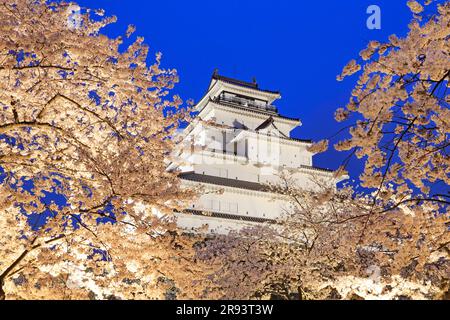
{"points": [[265, 124], [270, 122]]}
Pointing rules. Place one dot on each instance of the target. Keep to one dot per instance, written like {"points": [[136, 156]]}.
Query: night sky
{"points": [[296, 47]]}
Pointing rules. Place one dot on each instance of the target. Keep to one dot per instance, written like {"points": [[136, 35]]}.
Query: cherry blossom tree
{"points": [[393, 242], [399, 112], [85, 128], [86, 200], [399, 115], [315, 251]]}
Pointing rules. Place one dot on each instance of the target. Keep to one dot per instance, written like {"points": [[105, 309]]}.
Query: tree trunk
{"points": [[2, 292], [300, 293]]}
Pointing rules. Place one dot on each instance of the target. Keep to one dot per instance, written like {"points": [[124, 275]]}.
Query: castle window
{"points": [[246, 148], [224, 141], [213, 143]]}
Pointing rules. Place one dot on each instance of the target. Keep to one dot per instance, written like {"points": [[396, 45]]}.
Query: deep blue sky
{"points": [[296, 47]]}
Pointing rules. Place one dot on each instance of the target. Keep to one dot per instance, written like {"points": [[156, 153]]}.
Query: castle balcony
{"points": [[243, 102]]}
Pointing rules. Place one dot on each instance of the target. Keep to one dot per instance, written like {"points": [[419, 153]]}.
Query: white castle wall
{"points": [[243, 203]]}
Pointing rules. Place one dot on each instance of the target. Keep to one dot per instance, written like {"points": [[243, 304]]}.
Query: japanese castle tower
{"points": [[236, 146]]}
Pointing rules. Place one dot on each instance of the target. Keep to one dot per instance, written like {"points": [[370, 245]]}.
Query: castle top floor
{"points": [[245, 103]]}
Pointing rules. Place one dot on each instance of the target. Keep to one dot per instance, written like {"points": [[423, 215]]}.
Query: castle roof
{"points": [[235, 183], [252, 85], [226, 182], [254, 110], [228, 216]]}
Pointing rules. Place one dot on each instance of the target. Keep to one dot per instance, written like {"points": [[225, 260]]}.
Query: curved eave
{"points": [[227, 216], [219, 182], [285, 139], [295, 121], [244, 87], [224, 182]]}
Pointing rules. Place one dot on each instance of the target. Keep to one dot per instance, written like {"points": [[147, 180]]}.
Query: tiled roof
{"points": [[245, 84], [316, 168], [235, 183], [265, 124], [224, 181], [254, 110], [301, 140], [228, 216]]}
